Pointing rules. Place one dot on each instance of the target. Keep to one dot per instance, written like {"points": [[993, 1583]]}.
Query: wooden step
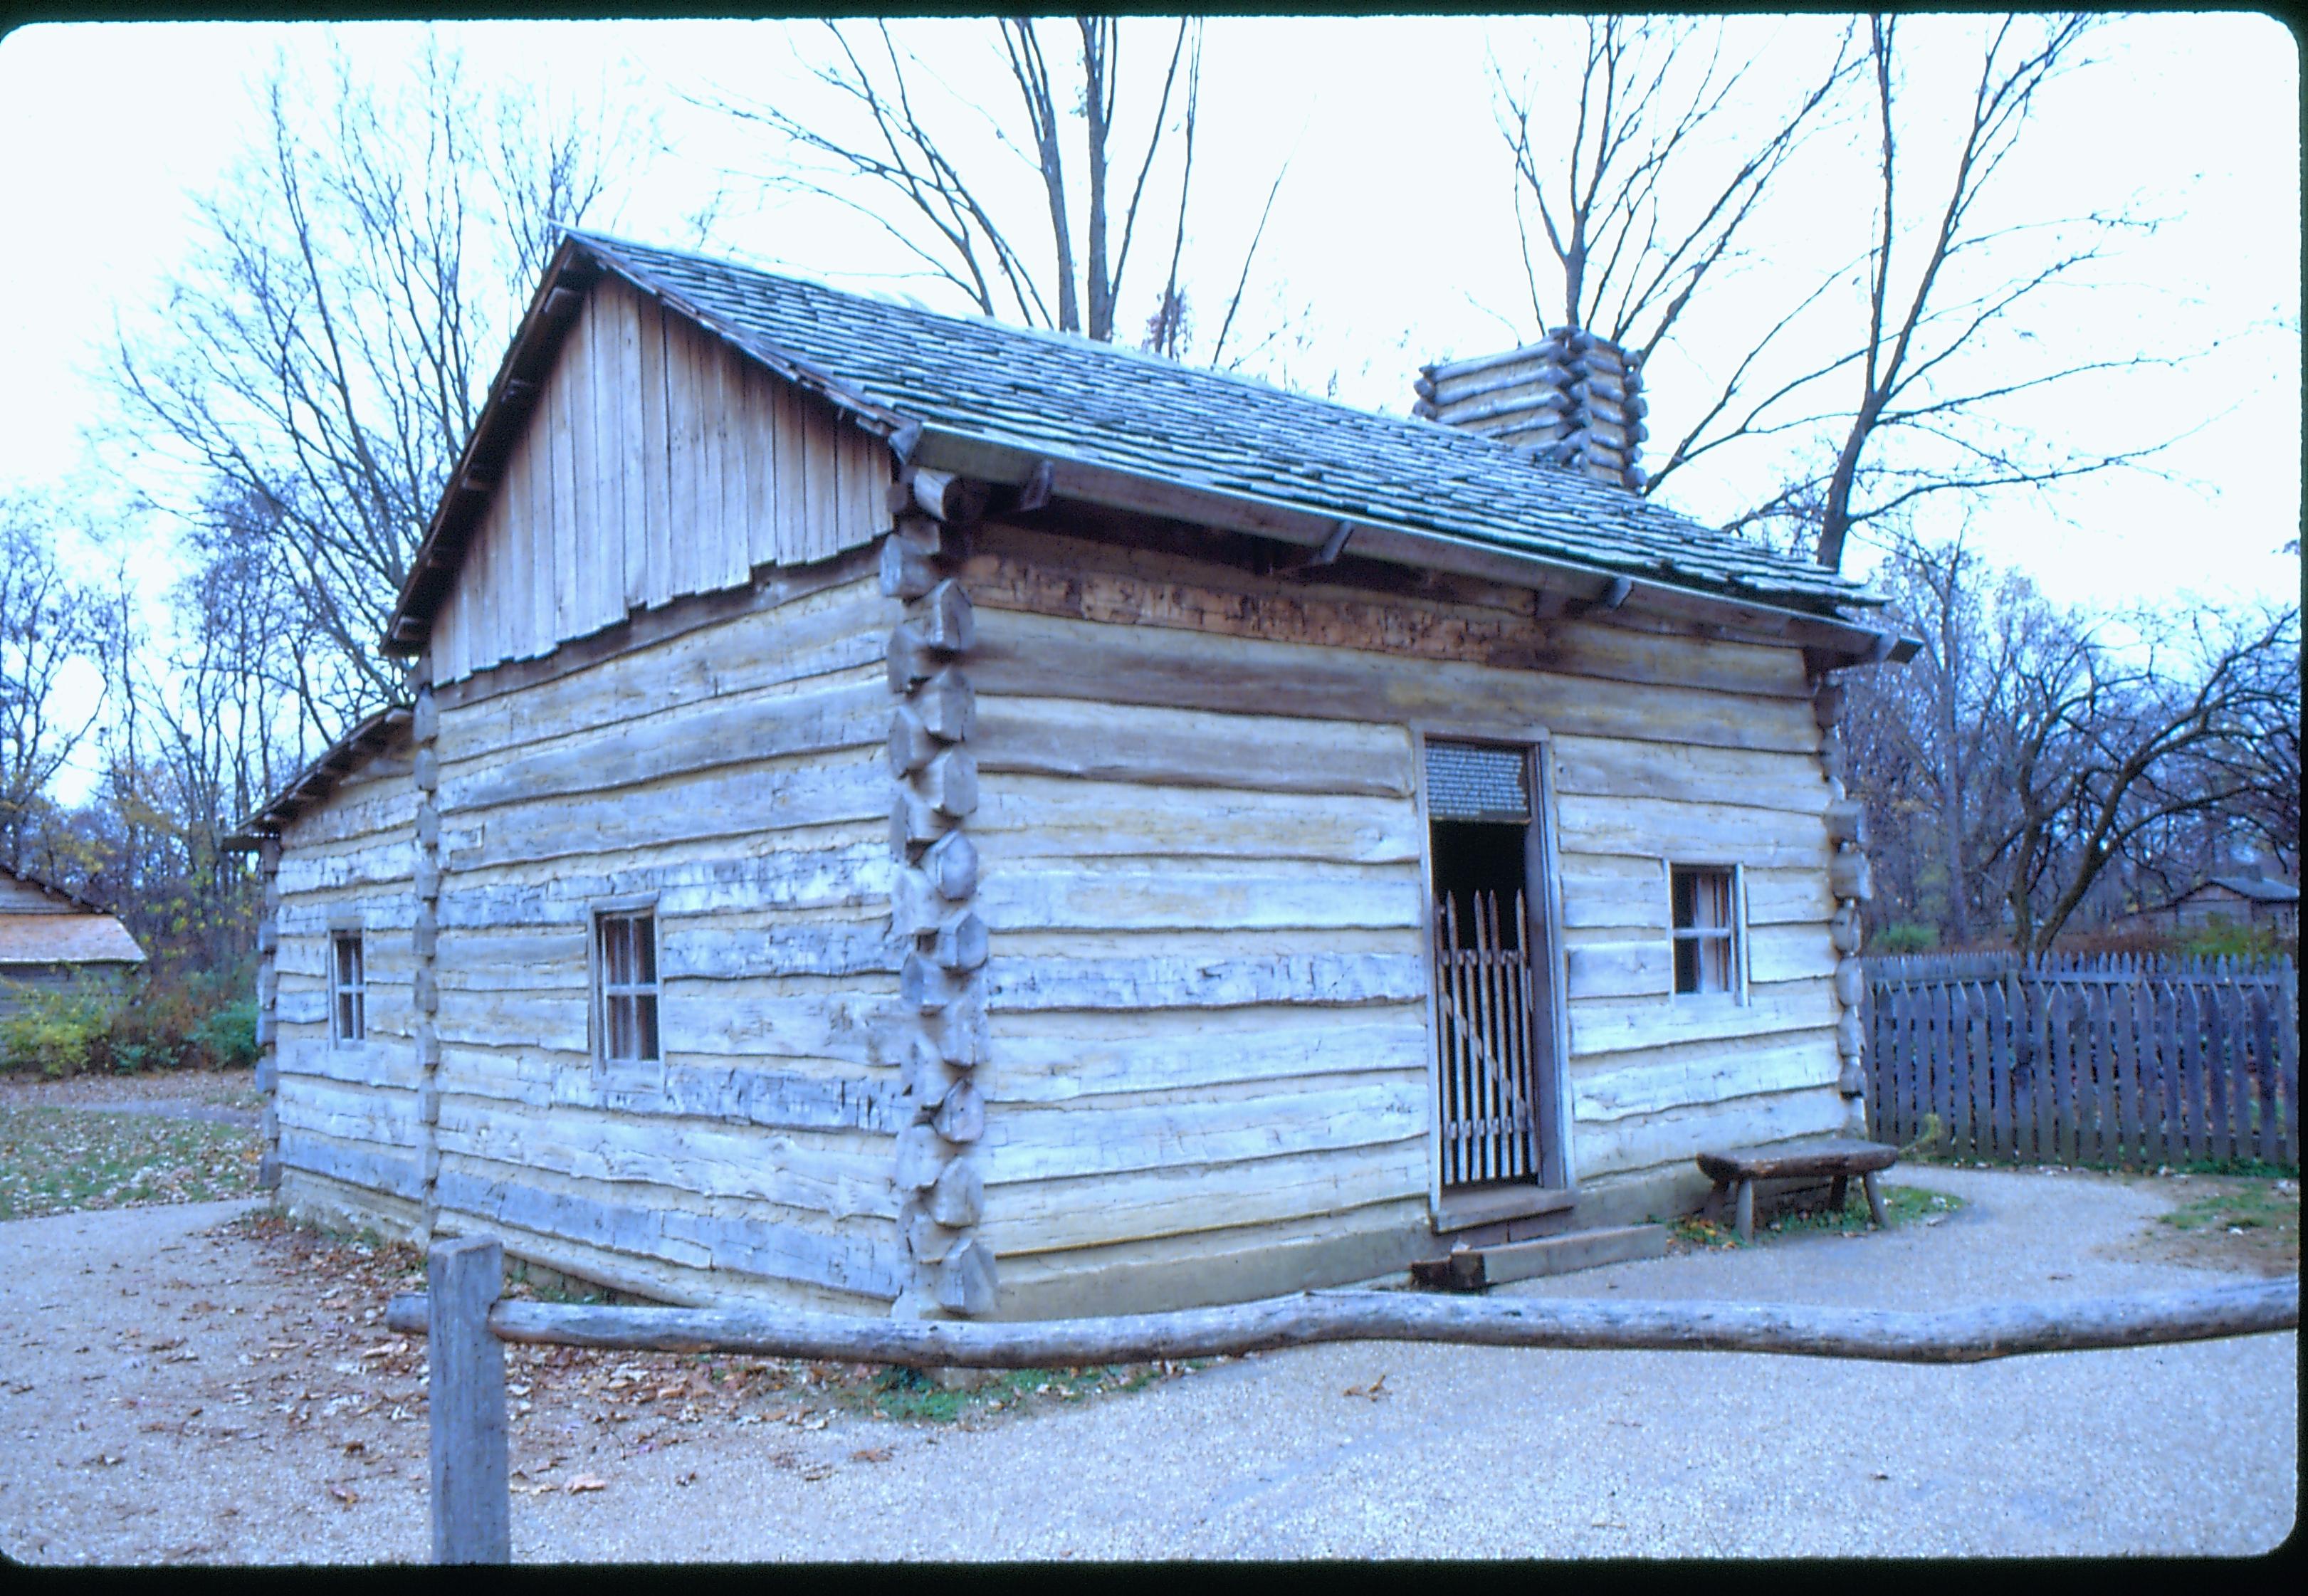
{"points": [[1472, 1269]]}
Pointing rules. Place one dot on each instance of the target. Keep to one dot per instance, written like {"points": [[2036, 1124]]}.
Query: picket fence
{"points": [[2113, 1059]]}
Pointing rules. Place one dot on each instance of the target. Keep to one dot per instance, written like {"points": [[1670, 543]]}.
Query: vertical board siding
{"points": [[656, 462], [2109, 1061]]}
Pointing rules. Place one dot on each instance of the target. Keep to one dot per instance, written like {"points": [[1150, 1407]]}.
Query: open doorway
{"points": [[1495, 1037]]}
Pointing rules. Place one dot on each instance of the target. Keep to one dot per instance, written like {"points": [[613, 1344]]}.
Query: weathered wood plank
{"points": [[725, 731], [1107, 1209], [1024, 821], [1697, 833], [762, 1241], [1058, 1056], [1316, 978], [1250, 897], [739, 801], [1075, 578], [1227, 1125], [1032, 655], [832, 632], [1188, 747], [1676, 1136], [1620, 1085], [838, 1173], [1602, 767], [1616, 1025]]}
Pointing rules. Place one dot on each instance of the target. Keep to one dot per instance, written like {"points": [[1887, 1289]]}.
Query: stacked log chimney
{"points": [[1573, 399]]}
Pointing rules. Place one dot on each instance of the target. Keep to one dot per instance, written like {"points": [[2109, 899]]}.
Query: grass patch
{"points": [[1902, 1205], [63, 1161], [912, 1396], [2253, 1223]]}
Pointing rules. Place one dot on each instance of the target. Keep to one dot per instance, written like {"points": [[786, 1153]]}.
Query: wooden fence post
{"points": [[472, 1500]]}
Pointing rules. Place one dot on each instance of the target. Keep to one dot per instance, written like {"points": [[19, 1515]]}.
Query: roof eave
{"points": [[1840, 642], [308, 786]]}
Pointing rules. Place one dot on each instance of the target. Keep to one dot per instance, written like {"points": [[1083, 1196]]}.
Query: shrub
{"points": [[1906, 936], [57, 1031], [186, 1020], [228, 1036]]}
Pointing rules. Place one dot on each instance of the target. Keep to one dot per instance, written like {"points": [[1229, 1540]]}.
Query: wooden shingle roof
{"points": [[939, 382]]}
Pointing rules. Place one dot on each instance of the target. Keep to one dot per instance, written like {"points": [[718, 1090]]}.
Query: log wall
{"points": [[343, 1123], [1200, 867], [734, 773], [656, 463]]}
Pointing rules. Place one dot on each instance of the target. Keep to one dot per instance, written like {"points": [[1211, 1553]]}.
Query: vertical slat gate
{"points": [[1489, 1095]]}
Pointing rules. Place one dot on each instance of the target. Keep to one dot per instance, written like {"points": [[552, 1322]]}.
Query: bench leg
{"points": [[1839, 1193], [1746, 1210], [1875, 1199]]}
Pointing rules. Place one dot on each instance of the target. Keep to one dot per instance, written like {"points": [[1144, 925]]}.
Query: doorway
{"points": [[1494, 1033]]}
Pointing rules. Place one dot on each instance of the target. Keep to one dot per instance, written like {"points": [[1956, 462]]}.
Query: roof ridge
{"points": [[1457, 437]]}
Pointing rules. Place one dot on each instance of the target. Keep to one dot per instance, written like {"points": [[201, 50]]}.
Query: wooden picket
{"points": [[2098, 1059]]}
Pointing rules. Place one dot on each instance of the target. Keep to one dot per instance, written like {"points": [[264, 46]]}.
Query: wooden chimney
{"points": [[1573, 399]]}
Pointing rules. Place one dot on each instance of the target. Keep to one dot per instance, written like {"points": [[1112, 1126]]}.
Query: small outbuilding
{"points": [[900, 813], [51, 939]]}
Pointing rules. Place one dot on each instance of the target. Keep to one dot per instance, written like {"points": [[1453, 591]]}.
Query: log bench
{"points": [[1839, 1157]]}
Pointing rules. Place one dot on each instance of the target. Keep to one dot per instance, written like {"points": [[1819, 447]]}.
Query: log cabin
{"points": [[897, 814], [53, 940]]}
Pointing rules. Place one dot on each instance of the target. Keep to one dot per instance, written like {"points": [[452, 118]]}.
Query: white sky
{"points": [[1393, 228]]}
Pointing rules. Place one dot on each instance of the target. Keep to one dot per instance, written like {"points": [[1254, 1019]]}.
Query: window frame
{"points": [[1733, 932], [347, 999], [601, 916]]}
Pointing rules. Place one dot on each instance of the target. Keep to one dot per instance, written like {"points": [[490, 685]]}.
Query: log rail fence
{"points": [[468, 1323], [2086, 1059]]}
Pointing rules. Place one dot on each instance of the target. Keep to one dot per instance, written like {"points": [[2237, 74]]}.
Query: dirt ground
{"points": [[198, 1383], [225, 1096]]}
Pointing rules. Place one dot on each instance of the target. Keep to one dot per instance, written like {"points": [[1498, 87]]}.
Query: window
{"points": [[347, 990], [1705, 928], [625, 970]]}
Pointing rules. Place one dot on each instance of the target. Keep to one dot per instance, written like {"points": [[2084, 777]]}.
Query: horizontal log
{"points": [[1024, 654], [1973, 1334], [1461, 620]]}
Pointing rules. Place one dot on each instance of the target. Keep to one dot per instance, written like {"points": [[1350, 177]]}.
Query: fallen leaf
{"points": [[1879, 1474], [352, 1447], [587, 1482], [667, 1392], [870, 1455], [343, 1495], [818, 1471], [1374, 1390], [688, 1479]]}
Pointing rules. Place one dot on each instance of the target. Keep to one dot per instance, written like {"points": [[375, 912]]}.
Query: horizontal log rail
{"points": [[472, 1498], [1954, 1335]]}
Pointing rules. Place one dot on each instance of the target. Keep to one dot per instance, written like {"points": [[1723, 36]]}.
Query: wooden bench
{"points": [[1839, 1157]]}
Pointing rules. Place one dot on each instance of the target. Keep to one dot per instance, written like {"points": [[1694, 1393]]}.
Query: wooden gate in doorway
{"points": [[1489, 1084]]}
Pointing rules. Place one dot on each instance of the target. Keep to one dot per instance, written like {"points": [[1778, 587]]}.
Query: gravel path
{"points": [[1466, 1452]]}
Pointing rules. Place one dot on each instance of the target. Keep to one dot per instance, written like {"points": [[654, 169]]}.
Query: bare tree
{"points": [[49, 622], [1915, 396], [1649, 188], [2028, 752], [323, 354], [898, 150]]}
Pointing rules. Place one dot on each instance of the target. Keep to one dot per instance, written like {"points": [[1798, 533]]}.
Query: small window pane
{"points": [[645, 1026], [1705, 930], [347, 990], [627, 993]]}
